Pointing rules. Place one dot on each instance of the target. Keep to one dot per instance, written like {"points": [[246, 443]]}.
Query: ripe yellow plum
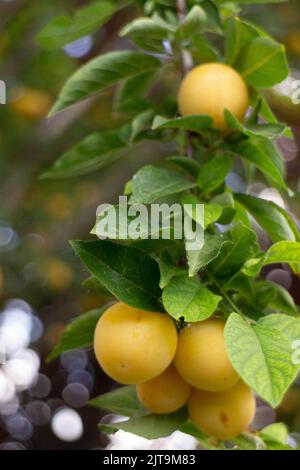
{"points": [[201, 358], [132, 345], [210, 89], [164, 394], [31, 103], [223, 415]]}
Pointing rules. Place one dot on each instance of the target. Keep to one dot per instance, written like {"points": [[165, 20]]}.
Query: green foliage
{"points": [[265, 364], [122, 401], [262, 320], [152, 183], [130, 274], [281, 252], [65, 29], [276, 221], [79, 333], [150, 426], [188, 299], [92, 153], [102, 72]]}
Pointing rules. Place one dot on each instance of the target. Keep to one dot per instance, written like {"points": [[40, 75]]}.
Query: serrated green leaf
{"points": [[288, 326], [193, 23], [191, 166], [261, 356], [226, 202], [213, 23], [79, 333], [269, 131], [211, 212], [168, 270], [281, 252], [130, 274], [273, 298], [241, 242], [152, 183], [199, 259], [147, 33], [187, 298], [130, 96], [275, 436], [275, 432], [102, 72], [151, 426], [263, 63], [65, 29], [141, 123], [94, 152], [195, 123], [94, 285], [238, 34], [273, 219], [122, 401], [213, 173], [264, 155]]}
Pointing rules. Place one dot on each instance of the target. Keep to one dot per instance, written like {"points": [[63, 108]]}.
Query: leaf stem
{"points": [[224, 294]]}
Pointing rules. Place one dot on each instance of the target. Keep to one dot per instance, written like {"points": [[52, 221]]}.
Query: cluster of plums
{"points": [[171, 369]]}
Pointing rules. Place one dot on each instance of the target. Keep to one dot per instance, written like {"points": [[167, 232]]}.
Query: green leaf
{"points": [[241, 242], [94, 285], [264, 155], [191, 166], [187, 298], [269, 131], [226, 202], [273, 297], [238, 34], [275, 432], [265, 111], [130, 274], [151, 426], [193, 23], [130, 96], [199, 259], [261, 356], [273, 219], [213, 23], [275, 436], [195, 123], [141, 123], [280, 252], [102, 72], [122, 401], [288, 326], [152, 183], [168, 270], [66, 29], [211, 212], [249, 441], [263, 63], [79, 333], [147, 33], [202, 50], [94, 152], [213, 173]]}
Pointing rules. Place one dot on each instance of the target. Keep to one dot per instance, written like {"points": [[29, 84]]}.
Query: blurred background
{"points": [[43, 405]]}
